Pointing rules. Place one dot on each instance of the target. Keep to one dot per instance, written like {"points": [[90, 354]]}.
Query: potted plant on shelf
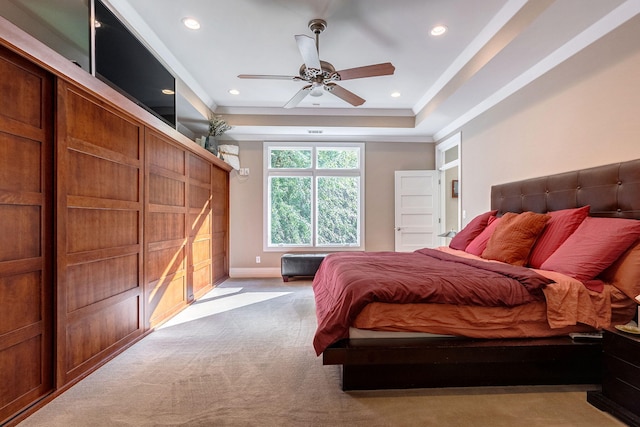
{"points": [[217, 126]]}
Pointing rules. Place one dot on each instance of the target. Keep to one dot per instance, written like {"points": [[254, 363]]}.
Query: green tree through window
{"points": [[290, 159], [338, 211], [291, 210]]}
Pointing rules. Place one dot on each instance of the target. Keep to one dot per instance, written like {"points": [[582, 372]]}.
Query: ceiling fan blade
{"points": [[384, 69], [263, 76], [309, 51], [302, 93], [344, 94]]}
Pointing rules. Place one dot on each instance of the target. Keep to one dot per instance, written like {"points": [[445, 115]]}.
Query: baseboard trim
{"points": [[258, 273]]}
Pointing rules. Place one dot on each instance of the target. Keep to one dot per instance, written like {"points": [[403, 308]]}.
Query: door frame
{"points": [[454, 141]]}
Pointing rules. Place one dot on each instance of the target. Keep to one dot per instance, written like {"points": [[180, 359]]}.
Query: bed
{"points": [[555, 255]]}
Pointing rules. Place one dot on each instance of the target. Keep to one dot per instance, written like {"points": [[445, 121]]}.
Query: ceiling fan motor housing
{"points": [[327, 73]]}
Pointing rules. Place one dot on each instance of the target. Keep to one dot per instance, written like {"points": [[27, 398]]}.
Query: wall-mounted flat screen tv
{"points": [[124, 63]]}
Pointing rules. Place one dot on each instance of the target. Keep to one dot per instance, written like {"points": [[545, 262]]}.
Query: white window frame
{"points": [[314, 172]]}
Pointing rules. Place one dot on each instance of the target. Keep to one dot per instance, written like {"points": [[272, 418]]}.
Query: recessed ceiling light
{"points": [[234, 91], [168, 91], [191, 23], [395, 95], [438, 30]]}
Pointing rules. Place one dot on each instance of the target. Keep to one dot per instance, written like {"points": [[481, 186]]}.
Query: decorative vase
{"points": [[212, 145]]}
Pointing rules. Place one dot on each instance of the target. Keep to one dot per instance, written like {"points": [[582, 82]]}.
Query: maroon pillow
{"points": [[479, 244], [461, 240], [561, 225], [594, 246]]}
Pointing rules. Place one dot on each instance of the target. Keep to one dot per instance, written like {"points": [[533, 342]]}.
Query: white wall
{"points": [[583, 113]]}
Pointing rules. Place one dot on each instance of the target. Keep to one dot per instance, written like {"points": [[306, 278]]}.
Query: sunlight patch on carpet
{"points": [[224, 301]]}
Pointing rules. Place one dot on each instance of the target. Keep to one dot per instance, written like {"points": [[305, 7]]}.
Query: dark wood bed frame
{"points": [[611, 191]]}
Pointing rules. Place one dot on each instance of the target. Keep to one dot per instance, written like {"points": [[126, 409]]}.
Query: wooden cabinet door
{"points": [[26, 227], [220, 232], [99, 181], [165, 232], [199, 215]]}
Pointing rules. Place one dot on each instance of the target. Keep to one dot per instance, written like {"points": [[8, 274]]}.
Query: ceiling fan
{"points": [[321, 74]]}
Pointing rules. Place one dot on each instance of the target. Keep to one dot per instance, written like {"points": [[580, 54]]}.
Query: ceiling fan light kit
{"points": [[321, 74]]}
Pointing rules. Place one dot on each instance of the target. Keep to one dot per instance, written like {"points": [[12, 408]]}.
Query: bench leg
{"points": [[285, 278]]}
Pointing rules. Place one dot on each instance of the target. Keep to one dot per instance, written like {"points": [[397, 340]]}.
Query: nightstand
{"points": [[620, 394]]}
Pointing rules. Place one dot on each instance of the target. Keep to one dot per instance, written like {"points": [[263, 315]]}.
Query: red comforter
{"points": [[347, 281]]}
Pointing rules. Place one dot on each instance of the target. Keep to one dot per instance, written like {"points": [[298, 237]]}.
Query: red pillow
{"points": [[478, 245], [624, 273], [461, 240], [594, 246], [561, 225], [512, 240]]}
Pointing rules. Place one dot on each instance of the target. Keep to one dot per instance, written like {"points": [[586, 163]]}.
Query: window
{"points": [[313, 195]]}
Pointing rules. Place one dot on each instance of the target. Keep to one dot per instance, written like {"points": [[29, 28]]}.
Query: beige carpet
{"points": [[242, 356]]}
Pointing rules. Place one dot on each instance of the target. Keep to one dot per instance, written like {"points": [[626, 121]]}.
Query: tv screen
{"points": [[123, 62]]}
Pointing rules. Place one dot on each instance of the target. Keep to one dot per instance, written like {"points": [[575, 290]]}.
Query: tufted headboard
{"points": [[611, 191]]}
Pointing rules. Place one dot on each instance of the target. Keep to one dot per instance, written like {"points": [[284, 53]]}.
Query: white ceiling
{"points": [[492, 48]]}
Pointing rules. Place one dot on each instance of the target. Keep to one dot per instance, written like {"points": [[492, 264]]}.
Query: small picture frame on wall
{"points": [[454, 188]]}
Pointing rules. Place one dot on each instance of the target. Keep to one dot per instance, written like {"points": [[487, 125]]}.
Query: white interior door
{"points": [[416, 210]]}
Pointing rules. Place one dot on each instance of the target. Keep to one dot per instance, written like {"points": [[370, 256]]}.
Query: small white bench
{"points": [[304, 265]]}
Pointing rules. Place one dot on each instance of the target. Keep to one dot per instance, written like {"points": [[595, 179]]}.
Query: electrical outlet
{"points": [[257, 260], [243, 171]]}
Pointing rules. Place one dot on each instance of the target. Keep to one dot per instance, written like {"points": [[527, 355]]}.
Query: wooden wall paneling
{"points": [[26, 227], [166, 225], [200, 217], [220, 224], [73, 215], [99, 222]]}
